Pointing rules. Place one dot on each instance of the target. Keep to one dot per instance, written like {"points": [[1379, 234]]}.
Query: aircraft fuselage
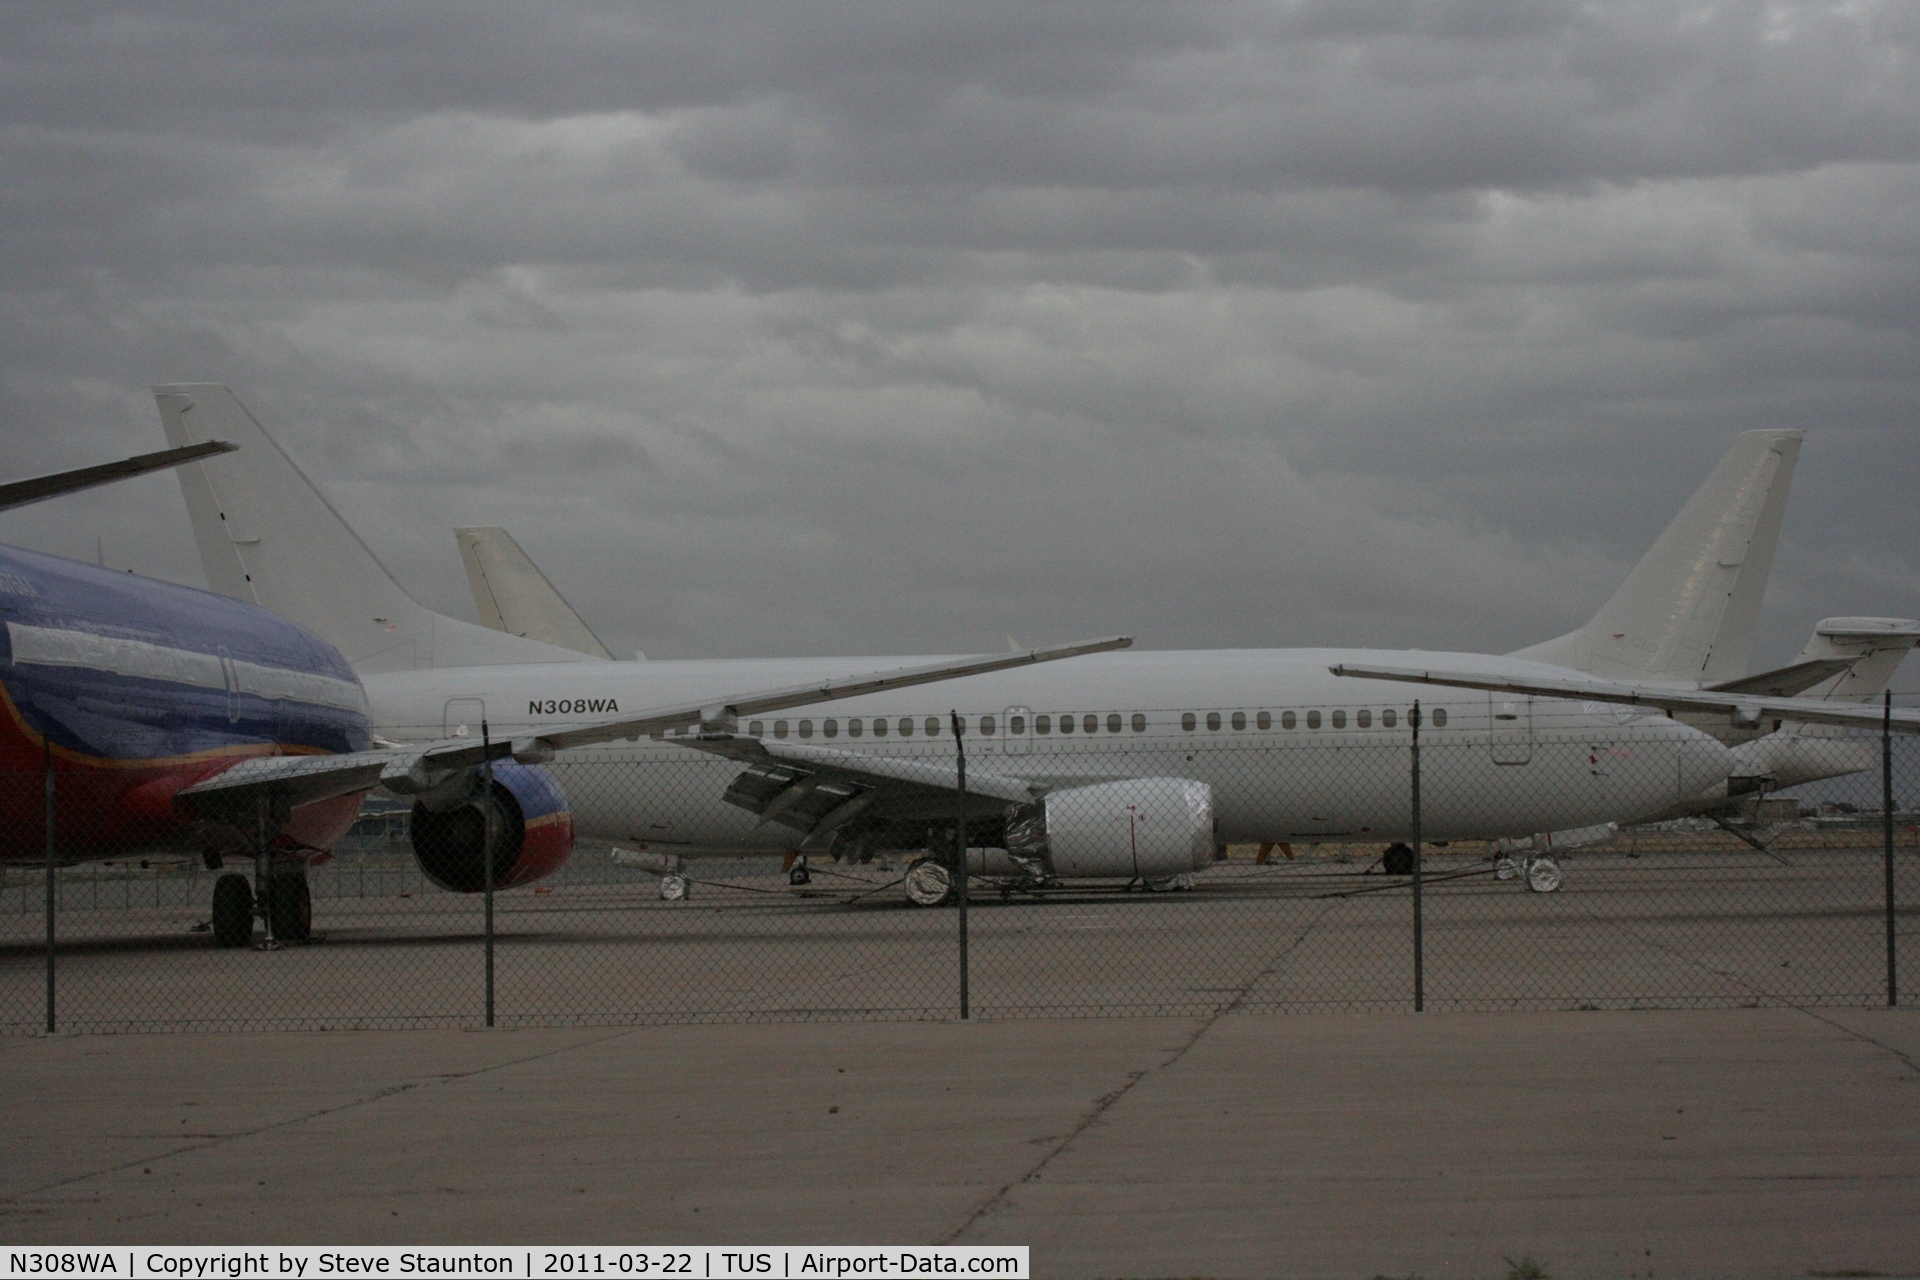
{"points": [[135, 688], [1292, 752]]}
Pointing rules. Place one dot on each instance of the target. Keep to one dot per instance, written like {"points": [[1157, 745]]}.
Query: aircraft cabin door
{"points": [[463, 717], [1510, 727], [1016, 728]]}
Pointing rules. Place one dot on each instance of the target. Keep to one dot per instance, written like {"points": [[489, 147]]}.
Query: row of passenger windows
{"points": [[933, 726], [1362, 719]]}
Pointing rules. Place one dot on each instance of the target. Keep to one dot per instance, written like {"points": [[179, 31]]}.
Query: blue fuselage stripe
{"points": [[116, 716]]}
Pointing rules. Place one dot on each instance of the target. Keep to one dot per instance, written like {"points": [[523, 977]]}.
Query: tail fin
{"points": [[1688, 610], [513, 596], [1877, 647], [267, 535]]}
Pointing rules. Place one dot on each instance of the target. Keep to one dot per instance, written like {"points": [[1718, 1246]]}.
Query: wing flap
{"points": [[815, 789]]}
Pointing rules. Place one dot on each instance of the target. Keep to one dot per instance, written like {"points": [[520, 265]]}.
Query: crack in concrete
{"points": [[1107, 1101], [378, 1095], [1785, 1002]]}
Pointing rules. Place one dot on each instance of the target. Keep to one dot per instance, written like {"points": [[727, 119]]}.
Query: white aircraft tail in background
{"points": [[1873, 648], [1687, 611], [512, 595], [267, 535]]}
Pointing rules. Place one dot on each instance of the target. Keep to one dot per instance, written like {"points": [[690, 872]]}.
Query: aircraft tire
{"points": [[291, 903], [800, 875], [1397, 860], [929, 883], [1543, 875], [232, 911]]}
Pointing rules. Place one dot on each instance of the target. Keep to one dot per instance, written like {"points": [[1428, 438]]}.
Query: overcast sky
{"points": [[899, 327]]}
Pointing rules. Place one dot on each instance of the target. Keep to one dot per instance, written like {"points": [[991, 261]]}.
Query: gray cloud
{"points": [[894, 327]]}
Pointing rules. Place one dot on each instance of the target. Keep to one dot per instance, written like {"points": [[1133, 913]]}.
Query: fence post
{"points": [[960, 858], [1886, 819], [1419, 936], [486, 849], [52, 886]]}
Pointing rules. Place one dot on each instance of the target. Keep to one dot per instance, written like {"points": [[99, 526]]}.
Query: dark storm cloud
{"points": [[876, 326]]}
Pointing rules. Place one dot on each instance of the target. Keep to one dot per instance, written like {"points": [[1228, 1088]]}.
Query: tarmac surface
{"points": [[1696, 1083], [1745, 1142]]}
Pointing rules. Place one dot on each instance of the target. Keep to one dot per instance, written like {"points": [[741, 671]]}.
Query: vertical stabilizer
{"points": [[265, 534], [1688, 610], [513, 596]]}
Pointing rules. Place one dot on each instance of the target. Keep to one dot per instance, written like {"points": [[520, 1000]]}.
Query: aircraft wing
{"points": [[20, 493], [815, 789], [1785, 682], [291, 781], [722, 713], [1744, 710]]}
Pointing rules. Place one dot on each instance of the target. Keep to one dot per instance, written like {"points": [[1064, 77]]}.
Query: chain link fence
{"points": [[1558, 865]]}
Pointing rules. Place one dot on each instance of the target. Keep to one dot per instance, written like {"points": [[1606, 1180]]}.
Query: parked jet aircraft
{"points": [[1133, 766], [120, 691], [139, 717]]}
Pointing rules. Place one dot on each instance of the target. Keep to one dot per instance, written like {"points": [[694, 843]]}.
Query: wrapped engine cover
{"points": [[1137, 827]]}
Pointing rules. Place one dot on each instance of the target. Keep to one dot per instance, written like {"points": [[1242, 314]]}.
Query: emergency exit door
{"points": [[1510, 720]]}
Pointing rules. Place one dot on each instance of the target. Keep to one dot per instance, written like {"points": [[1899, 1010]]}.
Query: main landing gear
{"points": [[278, 895], [286, 907], [232, 911]]}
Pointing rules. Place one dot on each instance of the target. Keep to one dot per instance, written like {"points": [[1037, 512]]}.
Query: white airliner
{"points": [[1136, 765]]}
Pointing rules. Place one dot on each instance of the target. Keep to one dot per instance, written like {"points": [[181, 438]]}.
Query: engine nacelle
{"points": [[532, 832], [1142, 827]]}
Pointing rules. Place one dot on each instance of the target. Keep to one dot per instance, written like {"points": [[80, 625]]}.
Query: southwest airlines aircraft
{"points": [[1124, 765]]}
